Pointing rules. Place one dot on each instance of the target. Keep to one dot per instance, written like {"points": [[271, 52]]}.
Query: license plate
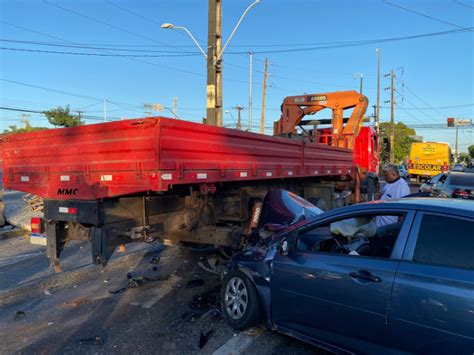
{"points": [[38, 239]]}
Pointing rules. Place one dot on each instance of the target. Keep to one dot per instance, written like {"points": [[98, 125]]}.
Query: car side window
{"points": [[445, 241], [373, 234]]}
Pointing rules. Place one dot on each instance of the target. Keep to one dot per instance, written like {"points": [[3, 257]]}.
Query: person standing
{"points": [[395, 187]]}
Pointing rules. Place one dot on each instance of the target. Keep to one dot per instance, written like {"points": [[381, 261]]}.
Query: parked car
{"points": [[436, 180], [456, 185], [458, 167], [345, 280]]}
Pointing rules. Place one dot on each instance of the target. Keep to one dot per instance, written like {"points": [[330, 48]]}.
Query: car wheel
{"points": [[239, 298]]}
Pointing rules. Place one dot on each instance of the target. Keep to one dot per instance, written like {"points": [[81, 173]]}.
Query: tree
{"points": [[27, 128], [471, 151], [464, 158], [61, 117], [403, 140]]}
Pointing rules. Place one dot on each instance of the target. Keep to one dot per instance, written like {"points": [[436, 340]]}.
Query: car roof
{"points": [[443, 205]]}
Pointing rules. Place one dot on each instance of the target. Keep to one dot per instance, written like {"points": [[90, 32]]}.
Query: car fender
{"points": [[263, 289]]}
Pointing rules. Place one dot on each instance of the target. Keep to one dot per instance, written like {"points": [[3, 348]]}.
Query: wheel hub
{"points": [[236, 298]]}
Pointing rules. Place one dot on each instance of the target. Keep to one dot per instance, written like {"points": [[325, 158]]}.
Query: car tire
{"points": [[240, 302]]}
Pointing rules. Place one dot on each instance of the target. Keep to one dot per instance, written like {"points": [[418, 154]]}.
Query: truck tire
{"points": [[240, 301]]}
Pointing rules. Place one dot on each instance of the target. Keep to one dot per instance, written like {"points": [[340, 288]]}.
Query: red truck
{"points": [[142, 179]]}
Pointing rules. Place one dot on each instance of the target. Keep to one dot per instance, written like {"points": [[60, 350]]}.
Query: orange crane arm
{"points": [[294, 108]]}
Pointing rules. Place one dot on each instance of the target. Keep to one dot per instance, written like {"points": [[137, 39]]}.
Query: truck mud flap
{"points": [[103, 245]]}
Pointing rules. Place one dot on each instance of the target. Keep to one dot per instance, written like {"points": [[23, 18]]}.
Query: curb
{"points": [[13, 233]]}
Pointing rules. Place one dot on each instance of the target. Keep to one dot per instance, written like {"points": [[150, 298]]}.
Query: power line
{"points": [[423, 15], [107, 24], [101, 54], [362, 43], [325, 45], [15, 109], [105, 51], [438, 108], [108, 47], [463, 4], [67, 93]]}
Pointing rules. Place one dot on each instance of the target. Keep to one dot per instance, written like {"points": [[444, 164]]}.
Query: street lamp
{"points": [[214, 57], [219, 56], [361, 79], [170, 26]]}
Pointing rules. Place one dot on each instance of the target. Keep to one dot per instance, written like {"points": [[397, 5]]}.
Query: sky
{"points": [[120, 53]]}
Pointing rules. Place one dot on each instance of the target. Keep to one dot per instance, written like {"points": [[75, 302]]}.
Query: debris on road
{"points": [[204, 338], [19, 314], [76, 303], [92, 341], [195, 283]]}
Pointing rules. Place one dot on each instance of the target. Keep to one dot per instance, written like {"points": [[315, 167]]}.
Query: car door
{"points": [[432, 305], [336, 298]]}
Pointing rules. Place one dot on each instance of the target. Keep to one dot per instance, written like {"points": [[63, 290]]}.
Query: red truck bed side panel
{"points": [[134, 156]]}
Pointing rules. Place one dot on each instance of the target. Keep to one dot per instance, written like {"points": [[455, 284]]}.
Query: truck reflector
{"points": [[68, 210]]}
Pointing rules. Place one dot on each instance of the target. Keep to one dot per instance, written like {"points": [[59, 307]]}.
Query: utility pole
{"points": [[214, 68], [377, 111], [250, 91], [264, 97], [239, 121], [105, 110], [147, 107], [456, 155], [392, 118], [175, 107]]}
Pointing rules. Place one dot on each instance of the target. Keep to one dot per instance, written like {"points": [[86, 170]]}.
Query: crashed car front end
{"points": [[282, 213]]}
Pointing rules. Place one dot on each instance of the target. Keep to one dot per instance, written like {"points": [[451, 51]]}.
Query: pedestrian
{"points": [[395, 187]]}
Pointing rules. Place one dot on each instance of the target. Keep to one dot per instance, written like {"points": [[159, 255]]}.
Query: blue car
{"points": [[391, 276]]}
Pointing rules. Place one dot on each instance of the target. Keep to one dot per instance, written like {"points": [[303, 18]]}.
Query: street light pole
{"points": [[361, 80], [214, 57], [377, 113]]}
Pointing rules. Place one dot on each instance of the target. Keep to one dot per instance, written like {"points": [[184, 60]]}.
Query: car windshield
{"points": [[462, 179]]}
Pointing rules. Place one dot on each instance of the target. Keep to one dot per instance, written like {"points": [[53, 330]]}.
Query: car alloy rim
{"points": [[236, 298]]}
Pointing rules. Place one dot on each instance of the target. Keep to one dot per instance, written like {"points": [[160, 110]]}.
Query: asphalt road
{"points": [[166, 308]]}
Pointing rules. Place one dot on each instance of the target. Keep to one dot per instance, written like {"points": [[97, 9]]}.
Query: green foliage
{"points": [[61, 117], [464, 158], [402, 141], [471, 151], [27, 128]]}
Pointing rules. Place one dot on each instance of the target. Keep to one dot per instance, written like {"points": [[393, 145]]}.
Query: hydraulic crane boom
{"points": [[294, 108]]}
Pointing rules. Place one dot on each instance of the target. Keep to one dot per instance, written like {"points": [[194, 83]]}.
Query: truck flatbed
{"points": [[153, 154]]}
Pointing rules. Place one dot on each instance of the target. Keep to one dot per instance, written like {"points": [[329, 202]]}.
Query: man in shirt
{"points": [[395, 187]]}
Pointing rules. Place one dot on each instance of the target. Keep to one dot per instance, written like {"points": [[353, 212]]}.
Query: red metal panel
{"points": [[133, 156]]}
